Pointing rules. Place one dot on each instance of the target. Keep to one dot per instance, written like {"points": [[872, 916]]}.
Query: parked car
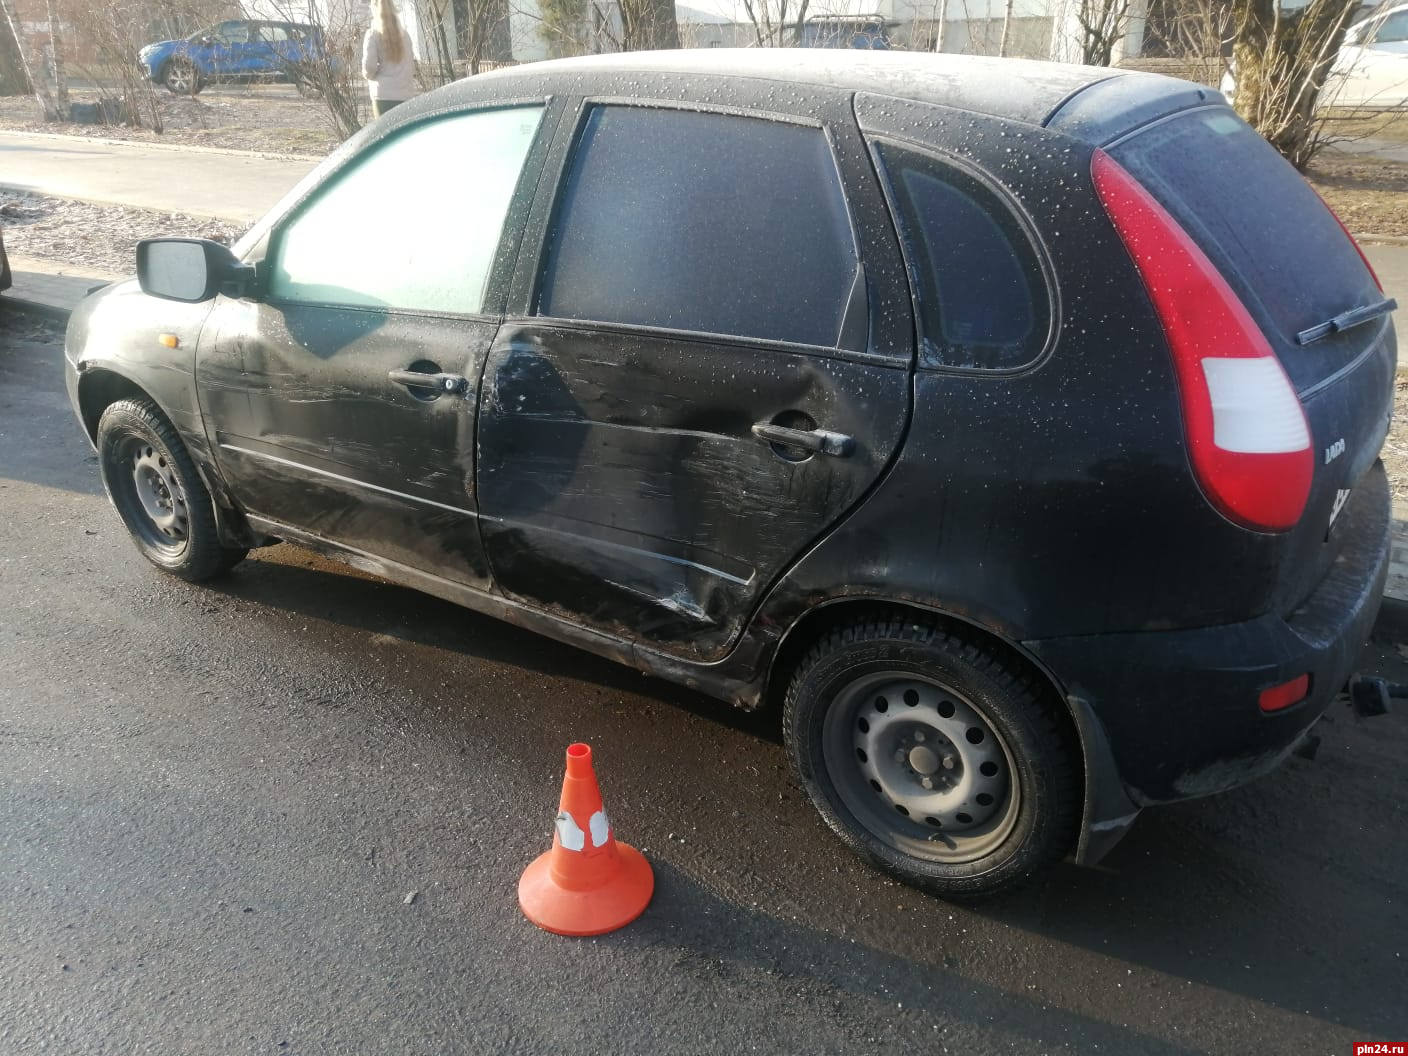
{"points": [[1370, 71], [238, 50], [1371, 68], [1014, 426]]}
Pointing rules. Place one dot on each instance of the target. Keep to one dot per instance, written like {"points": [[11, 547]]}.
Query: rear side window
{"points": [[978, 286], [701, 222]]}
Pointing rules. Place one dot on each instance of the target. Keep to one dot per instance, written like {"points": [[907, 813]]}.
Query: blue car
{"points": [[239, 50]]}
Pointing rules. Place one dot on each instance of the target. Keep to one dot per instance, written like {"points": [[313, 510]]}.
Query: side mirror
{"points": [[190, 269]]}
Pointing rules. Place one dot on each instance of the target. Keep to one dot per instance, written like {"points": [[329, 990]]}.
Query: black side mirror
{"points": [[191, 270]]}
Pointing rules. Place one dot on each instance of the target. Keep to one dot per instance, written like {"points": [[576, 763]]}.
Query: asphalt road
{"points": [[214, 802]]}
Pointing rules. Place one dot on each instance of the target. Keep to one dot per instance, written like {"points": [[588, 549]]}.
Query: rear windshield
{"points": [[1260, 223]]}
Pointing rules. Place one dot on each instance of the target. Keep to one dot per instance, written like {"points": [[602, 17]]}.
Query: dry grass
{"points": [[1369, 194], [1388, 125]]}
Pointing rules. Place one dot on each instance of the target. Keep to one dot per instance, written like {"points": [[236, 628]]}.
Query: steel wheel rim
{"points": [[921, 767], [160, 506]]}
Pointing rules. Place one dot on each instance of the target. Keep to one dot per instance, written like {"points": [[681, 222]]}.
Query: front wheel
{"points": [[181, 77], [153, 484], [933, 755]]}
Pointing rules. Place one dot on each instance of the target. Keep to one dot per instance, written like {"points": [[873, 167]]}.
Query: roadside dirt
{"points": [[1370, 194], [268, 118], [96, 236]]}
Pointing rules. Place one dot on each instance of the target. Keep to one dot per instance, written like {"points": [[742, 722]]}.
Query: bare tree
{"points": [[1102, 26], [482, 31], [1006, 29], [56, 60], [563, 27], [47, 104], [1282, 59], [647, 25], [14, 78], [771, 24], [112, 29]]}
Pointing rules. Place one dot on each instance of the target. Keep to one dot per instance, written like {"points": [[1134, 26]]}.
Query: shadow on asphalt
{"points": [[721, 941], [1269, 891], [298, 581]]}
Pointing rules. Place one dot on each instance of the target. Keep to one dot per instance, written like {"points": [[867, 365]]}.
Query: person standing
{"points": [[387, 60]]}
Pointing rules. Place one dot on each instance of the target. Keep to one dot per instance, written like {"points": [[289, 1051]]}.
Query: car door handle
{"points": [[823, 441], [454, 384]]}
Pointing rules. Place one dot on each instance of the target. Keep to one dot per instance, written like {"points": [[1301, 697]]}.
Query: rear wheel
{"points": [[932, 755], [152, 482], [181, 77]]}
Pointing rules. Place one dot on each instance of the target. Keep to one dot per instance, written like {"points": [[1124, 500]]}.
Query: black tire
{"points": [[181, 77], [157, 492], [932, 755]]}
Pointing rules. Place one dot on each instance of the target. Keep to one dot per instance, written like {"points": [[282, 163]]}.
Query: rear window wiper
{"points": [[1345, 320]]}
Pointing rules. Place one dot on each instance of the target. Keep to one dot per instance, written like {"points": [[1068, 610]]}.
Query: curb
{"points": [[195, 148], [24, 306]]}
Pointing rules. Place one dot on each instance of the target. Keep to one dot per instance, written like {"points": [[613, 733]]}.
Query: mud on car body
{"points": [[1013, 426]]}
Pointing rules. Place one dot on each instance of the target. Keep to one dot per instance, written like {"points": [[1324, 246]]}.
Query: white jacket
{"points": [[386, 79]]}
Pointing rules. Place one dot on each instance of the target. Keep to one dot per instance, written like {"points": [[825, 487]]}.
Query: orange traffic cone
{"points": [[588, 884]]}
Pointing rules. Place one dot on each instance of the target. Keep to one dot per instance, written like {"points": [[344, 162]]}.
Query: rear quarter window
{"points": [[979, 293]]}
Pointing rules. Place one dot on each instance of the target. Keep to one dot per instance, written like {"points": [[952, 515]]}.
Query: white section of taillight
{"points": [[1255, 410]]}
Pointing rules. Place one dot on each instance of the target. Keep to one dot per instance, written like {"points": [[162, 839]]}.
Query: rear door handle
{"points": [[454, 384], [823, 441]]}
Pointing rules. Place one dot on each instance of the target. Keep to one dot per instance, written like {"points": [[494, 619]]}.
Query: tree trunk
{"points": [[56, 63], [13, 78], [41, 90], [1282, 59], [1006, 30]]}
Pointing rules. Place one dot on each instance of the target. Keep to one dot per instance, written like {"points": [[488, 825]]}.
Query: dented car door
{"points": [[699, 390]]}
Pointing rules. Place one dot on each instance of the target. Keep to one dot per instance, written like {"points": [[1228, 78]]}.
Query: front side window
{"points": [[703, 222], [414, 224], [979, 290]]}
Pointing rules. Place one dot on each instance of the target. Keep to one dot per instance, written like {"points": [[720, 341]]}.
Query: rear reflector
{"points": [[1248, 441], [1275, 698]]}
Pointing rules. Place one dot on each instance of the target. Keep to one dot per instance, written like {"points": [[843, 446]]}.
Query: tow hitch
{"points": [[1369, 696]]}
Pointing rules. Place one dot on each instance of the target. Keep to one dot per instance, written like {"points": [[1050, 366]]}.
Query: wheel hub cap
{"points": [[930, 756], [160, 493]]}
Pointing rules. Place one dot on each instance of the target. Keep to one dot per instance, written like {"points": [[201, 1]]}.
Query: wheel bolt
{"points": [[927, 782], [950, 762], [919, 736], [899, 755]]}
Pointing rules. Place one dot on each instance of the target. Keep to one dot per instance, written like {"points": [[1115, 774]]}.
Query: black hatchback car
{"points": [[1014, 426]]}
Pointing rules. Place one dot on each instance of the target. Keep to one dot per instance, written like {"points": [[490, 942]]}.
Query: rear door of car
{"points": [[321, 398], [710, 367]]}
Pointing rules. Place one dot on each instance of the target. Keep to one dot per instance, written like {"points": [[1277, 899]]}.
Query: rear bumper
{"points": [[1179, 708]]}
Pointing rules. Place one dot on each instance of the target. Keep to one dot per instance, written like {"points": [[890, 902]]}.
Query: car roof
{"points": [[1018, 89]]}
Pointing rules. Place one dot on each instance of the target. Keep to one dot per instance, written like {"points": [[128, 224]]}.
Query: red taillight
{"points": [[1248, 440], [1274, 698], [1357, 248]]}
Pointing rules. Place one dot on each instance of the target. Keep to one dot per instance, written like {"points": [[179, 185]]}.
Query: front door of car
{"points": [[220, 51], [342, 402], [705, 383]]}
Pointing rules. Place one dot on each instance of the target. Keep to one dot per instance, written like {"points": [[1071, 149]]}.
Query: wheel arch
{"points": [[98, 389], [1106, 812]]}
